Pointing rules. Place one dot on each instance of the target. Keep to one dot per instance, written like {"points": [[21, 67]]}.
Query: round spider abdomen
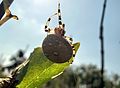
{"points": [[57, 49]]}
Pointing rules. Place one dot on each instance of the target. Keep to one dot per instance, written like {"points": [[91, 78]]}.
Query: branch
{"points": [[7, 17], [102, 43]]}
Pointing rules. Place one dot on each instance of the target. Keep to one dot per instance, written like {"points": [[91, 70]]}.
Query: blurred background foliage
{"points": [[83, 76], [7, 65]]}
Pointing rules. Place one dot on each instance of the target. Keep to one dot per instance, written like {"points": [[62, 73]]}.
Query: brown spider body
{"points": [[57, 48]]}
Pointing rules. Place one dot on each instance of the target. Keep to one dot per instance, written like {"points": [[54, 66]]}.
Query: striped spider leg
{"points": [[70, 40], [48, 30], [58, 30]]}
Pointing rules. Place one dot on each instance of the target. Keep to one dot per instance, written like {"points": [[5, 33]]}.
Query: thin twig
{"points": [[102, 44]]}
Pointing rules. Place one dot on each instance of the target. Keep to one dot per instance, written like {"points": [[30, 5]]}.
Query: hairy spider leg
{"points": [[70, 41], [59, 15], [47, 23], [73, 50], [60, 18], [61, 24]]}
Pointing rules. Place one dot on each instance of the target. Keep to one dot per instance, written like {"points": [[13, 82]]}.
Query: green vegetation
{"points": [[40, 69], [84, 76]]}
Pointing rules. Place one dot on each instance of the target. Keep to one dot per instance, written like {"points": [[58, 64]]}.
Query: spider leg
{"points": [[70, 40], [73, 55], [73, 48], [46, 26], [60, 18], [61, 25], [47, 23], [59, 15]]}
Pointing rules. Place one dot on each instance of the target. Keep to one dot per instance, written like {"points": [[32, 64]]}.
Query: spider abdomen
{"points": [[56, 48]]}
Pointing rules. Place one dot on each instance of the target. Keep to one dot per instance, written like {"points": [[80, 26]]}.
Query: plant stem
{"points": [[102, 44]]}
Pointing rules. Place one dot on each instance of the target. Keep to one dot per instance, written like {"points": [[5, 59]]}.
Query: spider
{"points": [[4, 9], [56, 46]]}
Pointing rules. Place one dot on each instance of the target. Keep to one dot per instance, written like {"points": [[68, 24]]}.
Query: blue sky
{"points": [[82, 19]]}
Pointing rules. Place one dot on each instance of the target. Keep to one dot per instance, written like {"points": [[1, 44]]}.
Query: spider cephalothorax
{"points": [[56, 46]]}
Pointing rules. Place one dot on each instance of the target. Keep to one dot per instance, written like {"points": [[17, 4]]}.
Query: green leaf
{"points": [[40, 69]]}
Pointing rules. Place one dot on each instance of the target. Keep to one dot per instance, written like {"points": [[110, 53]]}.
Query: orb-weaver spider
{"points": [[56, 46]]}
